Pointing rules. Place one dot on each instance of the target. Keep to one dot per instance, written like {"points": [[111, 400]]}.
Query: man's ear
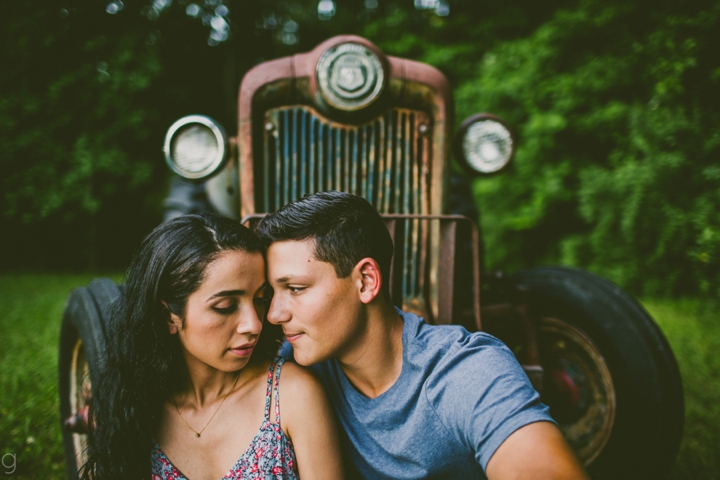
{"points": [[370, 279], [173, 321]]}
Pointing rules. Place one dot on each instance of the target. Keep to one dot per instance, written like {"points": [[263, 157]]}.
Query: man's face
{"points": [[320, 313]]}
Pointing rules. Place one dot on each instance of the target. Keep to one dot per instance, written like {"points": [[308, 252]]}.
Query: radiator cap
{"points": [[350, 76]]}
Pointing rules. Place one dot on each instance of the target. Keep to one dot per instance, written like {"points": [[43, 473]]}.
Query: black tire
{"points": [[579, 312], [82, 344]]}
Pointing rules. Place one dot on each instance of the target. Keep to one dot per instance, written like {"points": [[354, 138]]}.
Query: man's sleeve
{"points": [[482, 395], [286, 351]]}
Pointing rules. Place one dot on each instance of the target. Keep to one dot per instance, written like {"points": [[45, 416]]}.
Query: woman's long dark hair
{"points": [[144, 364]]}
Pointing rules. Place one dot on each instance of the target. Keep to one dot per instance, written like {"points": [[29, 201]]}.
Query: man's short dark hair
{"points": [[345, 228]]}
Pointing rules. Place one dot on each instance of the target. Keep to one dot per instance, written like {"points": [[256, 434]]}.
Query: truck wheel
{"points": [[82, 343], [610, 377]]}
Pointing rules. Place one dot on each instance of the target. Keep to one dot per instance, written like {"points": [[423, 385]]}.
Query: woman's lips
{"points": [[243, 350]]}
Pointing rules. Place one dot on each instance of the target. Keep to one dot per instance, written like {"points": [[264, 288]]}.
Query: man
{"points": [[414, 400]]}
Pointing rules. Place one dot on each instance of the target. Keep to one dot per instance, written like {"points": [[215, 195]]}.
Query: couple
{"points": [[189, 376]]}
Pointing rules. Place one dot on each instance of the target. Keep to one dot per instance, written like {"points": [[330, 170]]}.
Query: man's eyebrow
{"points": [[290, 278]]}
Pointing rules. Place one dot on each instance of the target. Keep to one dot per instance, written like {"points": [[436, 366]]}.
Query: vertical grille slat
{"points": [[321, 157], [286, 155], [292, 157], [303, 165], [270, 152], [386, 160], [380, 202], [398, 164], [370, 163], [411, 168], [338, 159], [312, 154], [355, 171], [389, 167], [423, 170]]}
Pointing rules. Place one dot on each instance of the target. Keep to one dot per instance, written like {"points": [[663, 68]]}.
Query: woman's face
{"points": [[223, 317]]}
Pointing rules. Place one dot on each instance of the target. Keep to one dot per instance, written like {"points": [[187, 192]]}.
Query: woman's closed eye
{"points": [[225, 308]]}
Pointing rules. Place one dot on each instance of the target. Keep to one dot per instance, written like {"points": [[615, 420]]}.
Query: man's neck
{"points": [[375, 364]]}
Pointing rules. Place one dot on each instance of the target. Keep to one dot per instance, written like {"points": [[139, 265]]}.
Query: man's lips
{"points": [[291, 337], [243, 350]]}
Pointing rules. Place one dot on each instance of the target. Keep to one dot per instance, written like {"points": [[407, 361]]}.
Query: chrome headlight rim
{"points": [[349, 93], [216, 163], [460, 138]]}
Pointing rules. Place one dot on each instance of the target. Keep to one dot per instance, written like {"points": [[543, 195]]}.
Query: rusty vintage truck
{"points": [[345, 116]]}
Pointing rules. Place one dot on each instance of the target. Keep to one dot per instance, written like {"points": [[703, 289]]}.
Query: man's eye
{"points": [[296, 289]]}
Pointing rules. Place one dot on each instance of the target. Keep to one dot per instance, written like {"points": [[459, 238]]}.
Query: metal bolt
{"points": [[269, 126], [423, 128]]}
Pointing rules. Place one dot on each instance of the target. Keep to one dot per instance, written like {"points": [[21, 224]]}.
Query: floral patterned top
{"points": [[270, 456]]}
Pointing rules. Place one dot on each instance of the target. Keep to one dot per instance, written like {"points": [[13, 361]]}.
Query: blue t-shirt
{"points": [[458, 397]]}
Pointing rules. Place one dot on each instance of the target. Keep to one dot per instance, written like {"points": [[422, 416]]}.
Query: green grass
{"points": [[694, 334], [31, 310]]}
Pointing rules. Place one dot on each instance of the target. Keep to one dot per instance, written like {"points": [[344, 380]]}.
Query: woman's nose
{"points": [[250, 322]]}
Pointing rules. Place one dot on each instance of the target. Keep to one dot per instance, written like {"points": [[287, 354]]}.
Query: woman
{"points": [[190, 383]]}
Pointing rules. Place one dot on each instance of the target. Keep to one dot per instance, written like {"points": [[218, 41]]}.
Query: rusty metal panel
{"points": [[386, 160]]}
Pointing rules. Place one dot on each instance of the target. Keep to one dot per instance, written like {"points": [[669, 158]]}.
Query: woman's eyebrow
{"points": [[226, 293]]}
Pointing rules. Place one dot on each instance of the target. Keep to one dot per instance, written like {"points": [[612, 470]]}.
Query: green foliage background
{"points": [[614, 105]]}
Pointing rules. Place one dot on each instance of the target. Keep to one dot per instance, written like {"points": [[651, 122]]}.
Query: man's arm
{"points": [[536, 451]]}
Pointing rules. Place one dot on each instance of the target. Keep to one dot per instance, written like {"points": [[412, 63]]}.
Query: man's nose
{"points": [[277, 313]]}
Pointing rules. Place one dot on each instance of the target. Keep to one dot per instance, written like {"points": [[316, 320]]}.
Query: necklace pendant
{"points": [[197, 434]]}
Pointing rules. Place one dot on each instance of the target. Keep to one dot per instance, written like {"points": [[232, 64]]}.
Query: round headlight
{"points": [[485, 144], [195, 147], [350, 76]]}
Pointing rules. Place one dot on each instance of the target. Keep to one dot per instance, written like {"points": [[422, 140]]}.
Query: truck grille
{"points": [[387, 161]]}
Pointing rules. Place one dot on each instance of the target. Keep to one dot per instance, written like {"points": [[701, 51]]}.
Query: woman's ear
{"points": [[174, 322], [370, 279]]}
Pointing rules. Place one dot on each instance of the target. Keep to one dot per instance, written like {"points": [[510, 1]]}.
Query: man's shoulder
{"points": [[456, 360], [449, 343]]}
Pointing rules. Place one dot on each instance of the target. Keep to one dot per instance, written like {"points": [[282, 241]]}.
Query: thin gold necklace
{"points": [[197, 434]]}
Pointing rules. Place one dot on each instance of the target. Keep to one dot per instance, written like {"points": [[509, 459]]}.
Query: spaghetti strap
{"points": [[280, 362], [273, 380]]}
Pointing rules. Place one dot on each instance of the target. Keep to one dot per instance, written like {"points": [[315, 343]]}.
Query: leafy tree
{"points": [[614, 105], [617, 116]]}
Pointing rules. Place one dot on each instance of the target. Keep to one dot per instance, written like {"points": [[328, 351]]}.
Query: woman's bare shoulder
{"points": [[310, 424], [298, 380]]}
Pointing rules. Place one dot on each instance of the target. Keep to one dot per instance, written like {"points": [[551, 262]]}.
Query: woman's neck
{"points": [[205, 385]]}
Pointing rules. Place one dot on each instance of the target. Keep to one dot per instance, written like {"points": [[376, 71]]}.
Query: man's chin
{"points": [[304, 360], [307, 359]]}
